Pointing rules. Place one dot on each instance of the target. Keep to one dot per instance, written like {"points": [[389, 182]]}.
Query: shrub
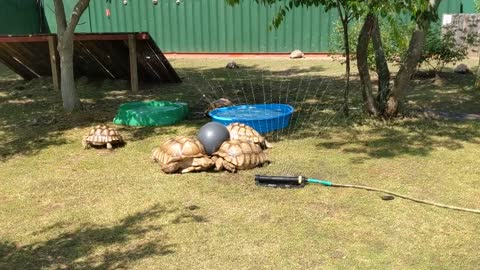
{"points": [[442, 49]]}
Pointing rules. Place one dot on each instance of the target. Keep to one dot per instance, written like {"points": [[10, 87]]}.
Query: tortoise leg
{"points": [[189, 169], [109, 146], [170, 168], [219, 164], [268, 145], [229, 166], [84, 143]]}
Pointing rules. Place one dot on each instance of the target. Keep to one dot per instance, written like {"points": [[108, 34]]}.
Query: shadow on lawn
{"points": [[409, 137], [98, 246], [32, 117]]}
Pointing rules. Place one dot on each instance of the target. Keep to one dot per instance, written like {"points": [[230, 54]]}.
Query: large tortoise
{"points": [[241, 131], [102, 135], [236, 155], [182, 153]]}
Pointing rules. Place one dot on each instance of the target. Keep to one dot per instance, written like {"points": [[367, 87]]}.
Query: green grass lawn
{"points": [[62, 207]]}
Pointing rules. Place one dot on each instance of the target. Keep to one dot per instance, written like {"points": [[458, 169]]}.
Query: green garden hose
{"points": [[300, 181]]}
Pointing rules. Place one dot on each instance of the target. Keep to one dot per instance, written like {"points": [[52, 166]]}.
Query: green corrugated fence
{"points": [[198, 25], [19, 17], [213, 26]]}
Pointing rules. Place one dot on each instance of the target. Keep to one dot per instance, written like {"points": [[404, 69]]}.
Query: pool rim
{"points": [[290, 111]]}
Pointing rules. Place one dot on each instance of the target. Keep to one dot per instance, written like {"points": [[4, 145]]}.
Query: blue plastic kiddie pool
{"points": [[262, 117]]}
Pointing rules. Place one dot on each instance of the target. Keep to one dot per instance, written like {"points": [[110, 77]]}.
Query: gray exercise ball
{"points": [[212, 135]]}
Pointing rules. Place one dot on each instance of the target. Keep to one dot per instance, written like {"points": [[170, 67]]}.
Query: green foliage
{"points": [[477, 5], [420, 10], [442, 49], [395, 34]]}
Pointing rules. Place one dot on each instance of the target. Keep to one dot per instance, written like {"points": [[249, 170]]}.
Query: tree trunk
{"points": [[65, 32], [347, 68], [382, 67], [477, 80], [362, 64], [408, 66], [404, 75], [71, 102], [345, 18]]}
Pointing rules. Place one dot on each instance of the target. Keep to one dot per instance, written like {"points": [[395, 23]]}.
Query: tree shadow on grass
{"points": [[93, 246], [32, 118], [413, 137]]}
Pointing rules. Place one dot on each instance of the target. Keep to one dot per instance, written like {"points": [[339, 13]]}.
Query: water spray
{"points": [[301, 181]]}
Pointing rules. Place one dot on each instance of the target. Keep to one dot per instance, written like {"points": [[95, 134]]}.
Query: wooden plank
{"points": [[96, 56], [172, 74], [15, 39], [96, 36], [111, 36], [9, 55], [113, 57], [89, 49], [54, 62], [132, 49]]}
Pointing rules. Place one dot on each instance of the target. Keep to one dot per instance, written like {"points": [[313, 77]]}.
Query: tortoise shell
{"points": [[178, 148], [219, 103], [239, 155], [103, 135], [232, 65], [296, 54], [239, 131]]}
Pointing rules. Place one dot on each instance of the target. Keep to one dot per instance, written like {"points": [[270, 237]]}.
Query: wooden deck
{"points": [[128, 56]]}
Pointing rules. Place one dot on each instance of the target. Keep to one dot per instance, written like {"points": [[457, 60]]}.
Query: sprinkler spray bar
{"points": [[288, 181], [301, 181]]}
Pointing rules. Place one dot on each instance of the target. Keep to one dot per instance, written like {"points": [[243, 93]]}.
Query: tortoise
{"points": [[182, 153], [296, 54], [236, 155], [242, 131], [462, 69], [232, 65], [219, 103], [102, 135]]}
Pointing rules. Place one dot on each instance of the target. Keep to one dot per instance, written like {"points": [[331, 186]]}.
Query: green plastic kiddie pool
{"points": [[151, 113]]}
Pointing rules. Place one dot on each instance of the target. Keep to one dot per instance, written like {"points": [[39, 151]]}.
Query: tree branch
{"points": [[78, 10], [339, 7], [60, 16]]}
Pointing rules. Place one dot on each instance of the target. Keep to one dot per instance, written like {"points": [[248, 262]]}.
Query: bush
{"points": [[442, 49], [395, 34]]}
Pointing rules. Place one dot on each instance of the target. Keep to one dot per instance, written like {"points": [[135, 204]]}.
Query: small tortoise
{"points": [[296, 54], [103, 135], [462, 69], [232, 65], [241, 131], [182, 153], [236, 155], [219, 103]]}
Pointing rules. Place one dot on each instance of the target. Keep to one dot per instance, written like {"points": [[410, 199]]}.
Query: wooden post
{"points": [[54, 62], [132, 49]]}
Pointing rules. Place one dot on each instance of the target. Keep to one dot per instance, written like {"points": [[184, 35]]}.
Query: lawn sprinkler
{"points": [[301, 181]]}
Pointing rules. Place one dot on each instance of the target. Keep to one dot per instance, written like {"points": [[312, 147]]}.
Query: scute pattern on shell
{"points": [[178, 148], [102, 134], [219, 103], [239, 131], [240, 154]]}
